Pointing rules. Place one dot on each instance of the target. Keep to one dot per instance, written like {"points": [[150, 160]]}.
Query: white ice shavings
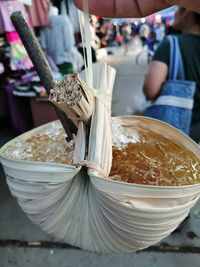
{"points": [[122, 136]]}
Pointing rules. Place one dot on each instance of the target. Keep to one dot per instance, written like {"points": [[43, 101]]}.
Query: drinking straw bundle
{"points": [[74, 97]]}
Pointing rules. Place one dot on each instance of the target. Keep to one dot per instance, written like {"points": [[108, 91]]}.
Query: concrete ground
{"points": [[25, 245]]}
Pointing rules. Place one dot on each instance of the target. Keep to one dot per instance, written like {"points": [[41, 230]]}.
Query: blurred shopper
{"points": [[118, 37], [134, 8], [160, 31], [189, 23], [126, 36], [57, 40], [95, 41], [101, 32], [144, 33], [151, 41]]}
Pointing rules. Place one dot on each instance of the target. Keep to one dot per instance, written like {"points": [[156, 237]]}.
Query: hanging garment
{"points": [[19, 58], [58, 39], [12, 37], [6, 9], [26, 2], [39, 13], [68, 8], [78, 62]]}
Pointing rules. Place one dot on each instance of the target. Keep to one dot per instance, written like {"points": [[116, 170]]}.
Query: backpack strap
{"points": [[176, 69]]}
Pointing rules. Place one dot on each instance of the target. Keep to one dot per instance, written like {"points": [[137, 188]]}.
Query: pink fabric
{"points": [[39, 13], [12, 37], [7, 7]]}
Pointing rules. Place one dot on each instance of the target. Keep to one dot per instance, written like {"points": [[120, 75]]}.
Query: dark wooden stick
{"points": [[41, 65]]}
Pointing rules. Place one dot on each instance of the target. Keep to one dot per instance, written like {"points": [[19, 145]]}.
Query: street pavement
{"points": [[23, 244]]}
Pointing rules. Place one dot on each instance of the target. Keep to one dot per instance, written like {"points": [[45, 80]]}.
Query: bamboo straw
{"points": [[35, 53], [74, 97]]}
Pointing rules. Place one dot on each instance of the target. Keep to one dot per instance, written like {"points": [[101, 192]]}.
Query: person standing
{"points": [[189, 23], [144, 33], [126, 36], [57, 40]]}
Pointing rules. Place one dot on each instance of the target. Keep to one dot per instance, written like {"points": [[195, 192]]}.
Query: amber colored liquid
{"points": [[43, 148], [46, 148], [155, 160]]}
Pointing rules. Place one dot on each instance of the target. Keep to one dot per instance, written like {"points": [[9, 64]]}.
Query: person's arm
{"points": [[158, 70], [154, 79], [134, 8]]}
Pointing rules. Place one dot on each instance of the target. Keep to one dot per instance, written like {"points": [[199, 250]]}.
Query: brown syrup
{"points": [[155, 160]]}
